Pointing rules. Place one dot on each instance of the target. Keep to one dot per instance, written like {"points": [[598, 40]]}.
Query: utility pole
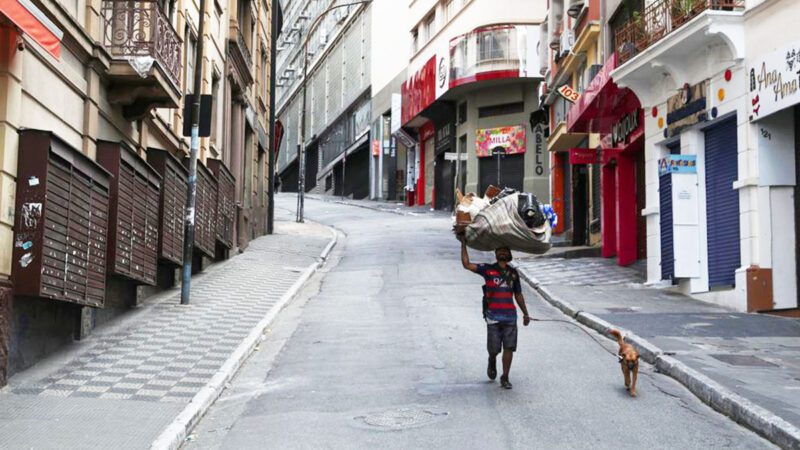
{"points": [[191, 191], [301, 154], [275, 30]]}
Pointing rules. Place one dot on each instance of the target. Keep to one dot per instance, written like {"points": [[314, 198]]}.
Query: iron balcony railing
{"points": [[244, 48], [136, 30], [659, 19]]}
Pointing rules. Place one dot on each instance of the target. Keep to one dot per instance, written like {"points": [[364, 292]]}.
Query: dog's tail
{"points": [[617, 335]]}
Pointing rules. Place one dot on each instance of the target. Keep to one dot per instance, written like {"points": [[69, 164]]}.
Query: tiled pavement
{"points": [[756, 356], [168, 352]]}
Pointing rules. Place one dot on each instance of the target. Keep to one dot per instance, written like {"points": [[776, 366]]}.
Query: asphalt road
{"points": [[385, 348]]}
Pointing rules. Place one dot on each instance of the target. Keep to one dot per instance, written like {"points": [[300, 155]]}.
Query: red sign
{"points": [[419, 91], [571, 95], [376, 147], [582, 156]]}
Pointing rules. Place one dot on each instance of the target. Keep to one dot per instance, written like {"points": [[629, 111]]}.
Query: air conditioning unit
{"points": [[575, 8], [567, 41]]}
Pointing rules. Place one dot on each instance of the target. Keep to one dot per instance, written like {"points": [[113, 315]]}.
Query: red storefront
{"points": [[616, 114]]}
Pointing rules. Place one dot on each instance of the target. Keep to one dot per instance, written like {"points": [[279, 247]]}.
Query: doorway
{"points": [[580, 205]]}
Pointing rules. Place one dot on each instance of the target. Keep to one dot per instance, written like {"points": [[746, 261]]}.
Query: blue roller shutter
{"points": [[665, 210], [722, 203]]}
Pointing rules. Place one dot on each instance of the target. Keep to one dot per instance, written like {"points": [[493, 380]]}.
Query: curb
{"points": [[175, 433], [721, 399]]}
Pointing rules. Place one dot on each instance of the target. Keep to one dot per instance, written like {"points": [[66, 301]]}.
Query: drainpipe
{"points": [[275, 30]]}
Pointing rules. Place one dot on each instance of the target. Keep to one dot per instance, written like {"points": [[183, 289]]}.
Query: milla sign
{"points": [[510, 139], [624, 128], [775, 82]]}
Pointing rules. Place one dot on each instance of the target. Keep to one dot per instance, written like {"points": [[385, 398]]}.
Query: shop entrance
{"points": [[501, 170], [444, 184], [580, 205]]}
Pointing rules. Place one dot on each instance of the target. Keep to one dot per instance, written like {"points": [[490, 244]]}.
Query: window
{"points": [[493, 45], [264, 69], [429, 27], [214, 106], [414, 41], [191, 46], [501, 110], [449, 10], [462, 112]]}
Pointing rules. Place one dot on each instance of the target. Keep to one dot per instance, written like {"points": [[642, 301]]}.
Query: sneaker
{"points": [[505, 383], [491, 371]]}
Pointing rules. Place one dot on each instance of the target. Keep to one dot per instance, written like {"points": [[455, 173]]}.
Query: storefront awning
{"points": [[600, 104], [33, 22]]}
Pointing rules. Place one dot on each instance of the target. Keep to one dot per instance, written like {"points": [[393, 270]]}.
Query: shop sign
{"points": [[775, 82], [569, 94], [453, 156], [682, 164], [444, 136], [510, 139], [622, 130], [582, 156], [539, 148], [602, 78], [376, 147], [419, 91], [686, 107]]}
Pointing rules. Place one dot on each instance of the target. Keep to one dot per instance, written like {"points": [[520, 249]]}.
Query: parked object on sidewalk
{"points": [[509, 219], [629, 361]]}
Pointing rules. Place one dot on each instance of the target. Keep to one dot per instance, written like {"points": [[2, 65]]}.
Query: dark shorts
{"points": [[501, 335]]}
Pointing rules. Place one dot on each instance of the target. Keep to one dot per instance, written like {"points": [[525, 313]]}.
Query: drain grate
{"points": [[402, 418], [743, 360]]}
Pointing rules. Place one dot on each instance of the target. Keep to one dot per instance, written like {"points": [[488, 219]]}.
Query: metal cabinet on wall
{"points": [[61, 222], [205, 217], [171, 204], [133, 219], [226, 202]]}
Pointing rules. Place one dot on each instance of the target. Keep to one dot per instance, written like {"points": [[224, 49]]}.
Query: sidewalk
{"points": [[746, 366], [151, 374]]}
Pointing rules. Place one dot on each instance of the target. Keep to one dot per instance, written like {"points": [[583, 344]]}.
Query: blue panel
{"points": [[665, 211], [722, 204]]}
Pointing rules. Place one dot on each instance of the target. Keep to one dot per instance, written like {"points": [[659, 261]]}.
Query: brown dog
{"points": [[629, 361]]}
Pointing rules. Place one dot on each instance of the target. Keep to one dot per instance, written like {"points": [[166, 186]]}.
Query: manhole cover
{"points": [[402, 418], [743, 360]]}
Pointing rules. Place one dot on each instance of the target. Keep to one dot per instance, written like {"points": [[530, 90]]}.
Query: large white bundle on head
{"points": [[499, 225]]}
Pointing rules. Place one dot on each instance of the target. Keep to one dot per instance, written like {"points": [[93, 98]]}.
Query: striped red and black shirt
{"points": [[499, 294]]}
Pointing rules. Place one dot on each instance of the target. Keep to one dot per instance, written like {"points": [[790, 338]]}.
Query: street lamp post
{"points": [[301, 155]]}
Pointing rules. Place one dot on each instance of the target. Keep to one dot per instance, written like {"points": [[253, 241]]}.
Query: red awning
{"points": [[601, 104], [33, 22]]}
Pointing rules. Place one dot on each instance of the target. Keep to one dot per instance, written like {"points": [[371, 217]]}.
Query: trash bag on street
{"points": [[507, 219]]}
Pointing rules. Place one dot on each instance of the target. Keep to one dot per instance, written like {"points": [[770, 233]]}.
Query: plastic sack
{"points": [[499, 225]]}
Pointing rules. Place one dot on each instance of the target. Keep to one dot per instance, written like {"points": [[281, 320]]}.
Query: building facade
{"points": [[338, 114], [92, 173], [471, 91]]}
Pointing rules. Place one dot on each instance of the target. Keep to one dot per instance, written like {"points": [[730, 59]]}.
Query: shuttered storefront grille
{"points": [[61, 222], [133, 225], [722, 203], [667, 243], [512, 171], [226, 207], [172, 201], [205, 217]]}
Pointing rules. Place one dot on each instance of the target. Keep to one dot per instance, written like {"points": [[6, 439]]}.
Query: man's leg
{"points": [[509, 334], [493, 345]]}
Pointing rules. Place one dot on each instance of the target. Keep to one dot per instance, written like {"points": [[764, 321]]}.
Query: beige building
{"points": [[113, 101]]}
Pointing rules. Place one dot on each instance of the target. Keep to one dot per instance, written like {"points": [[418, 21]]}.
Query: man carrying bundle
{"points": [[501, 288]]}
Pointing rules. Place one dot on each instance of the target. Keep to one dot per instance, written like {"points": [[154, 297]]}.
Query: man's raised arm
{"points": [[465, 259]]}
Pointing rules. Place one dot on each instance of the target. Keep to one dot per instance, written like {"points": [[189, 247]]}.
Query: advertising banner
{"points": [[774, 81], [511, 139], [681, 164]]}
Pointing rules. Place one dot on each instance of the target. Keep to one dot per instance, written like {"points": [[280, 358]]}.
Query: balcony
{"points": [[145, 56], [661, 18], [493, 52], [240, 56], [674, 42]]}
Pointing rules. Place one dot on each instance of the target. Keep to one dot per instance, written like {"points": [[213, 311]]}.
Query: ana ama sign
{"points": [[775, 82]]}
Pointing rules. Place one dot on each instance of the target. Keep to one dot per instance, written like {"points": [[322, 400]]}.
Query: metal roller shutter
{"points": [[665, 209], [512, 171], [722, 204]]}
